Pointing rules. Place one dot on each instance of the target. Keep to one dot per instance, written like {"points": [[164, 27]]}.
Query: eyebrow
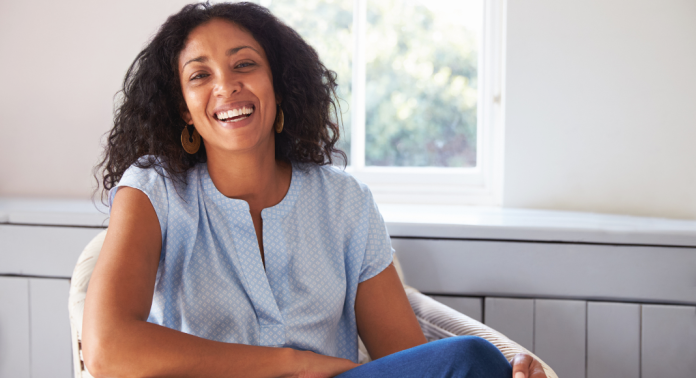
{"points": [[232, 51], [235, 50]]}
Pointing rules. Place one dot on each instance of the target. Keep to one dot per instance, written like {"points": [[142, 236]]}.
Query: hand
{"points": [[314, 365], [524, 366]]}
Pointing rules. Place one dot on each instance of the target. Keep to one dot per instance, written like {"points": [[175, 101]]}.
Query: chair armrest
{"points": [[439, 321]]}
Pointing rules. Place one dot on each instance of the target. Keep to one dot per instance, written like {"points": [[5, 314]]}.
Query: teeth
{"points": [[224, 116]]}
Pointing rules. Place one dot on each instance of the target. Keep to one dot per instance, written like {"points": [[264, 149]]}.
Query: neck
{"points": [[253, 176]]}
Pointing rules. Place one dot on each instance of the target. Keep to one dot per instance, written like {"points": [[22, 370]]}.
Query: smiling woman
{"points": [[249, 247], [227, 89], [149, 119]]}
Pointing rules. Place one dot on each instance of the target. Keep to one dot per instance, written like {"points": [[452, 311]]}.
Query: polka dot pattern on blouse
{"points": [[323, 239]]}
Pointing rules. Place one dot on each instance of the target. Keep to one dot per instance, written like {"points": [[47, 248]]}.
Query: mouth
{"points": [[235, 115]]}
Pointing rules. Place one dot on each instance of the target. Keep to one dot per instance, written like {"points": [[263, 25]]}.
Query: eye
{"points": [[245, 65], [199, 76]]}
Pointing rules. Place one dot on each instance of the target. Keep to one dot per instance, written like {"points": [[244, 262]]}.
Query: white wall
{"points": [[600, 101], [62, 62], [601, 106]]}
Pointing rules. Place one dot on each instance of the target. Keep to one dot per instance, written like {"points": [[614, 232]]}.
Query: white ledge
{"points": [[431, 221], [53, 212], [496, 223]]}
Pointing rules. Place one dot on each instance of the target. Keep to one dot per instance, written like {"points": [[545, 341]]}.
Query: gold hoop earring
{"points": [[190, 142], [279, 121]]}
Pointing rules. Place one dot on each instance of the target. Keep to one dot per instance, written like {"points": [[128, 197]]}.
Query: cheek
{"points": [[195, 102], [268, 99]]}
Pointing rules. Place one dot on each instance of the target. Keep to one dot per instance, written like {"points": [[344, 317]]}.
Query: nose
{"points": [[227, 85]]}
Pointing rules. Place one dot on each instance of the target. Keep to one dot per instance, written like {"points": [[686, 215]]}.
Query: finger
{"points": [[521, 365], [537, 370]]}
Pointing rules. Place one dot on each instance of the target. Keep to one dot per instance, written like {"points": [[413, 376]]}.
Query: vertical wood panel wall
{"points": [[597, 339], [51, 352], [34, 328], [578, 338], [14, 327], [668, 341], [513, 318], [613, 340], [559, 335]]}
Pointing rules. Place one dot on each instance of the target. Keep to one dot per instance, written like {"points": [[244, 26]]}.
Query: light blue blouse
{"points": [[320, 241]]}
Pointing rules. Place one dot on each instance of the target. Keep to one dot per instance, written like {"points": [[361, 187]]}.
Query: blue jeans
{"points": [[455, 357]]}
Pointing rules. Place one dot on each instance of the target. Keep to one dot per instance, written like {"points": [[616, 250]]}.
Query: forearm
{"points": [[384, 316], [141, 349]]}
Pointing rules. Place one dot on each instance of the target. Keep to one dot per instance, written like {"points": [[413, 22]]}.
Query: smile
{"points": [[235, 115]]}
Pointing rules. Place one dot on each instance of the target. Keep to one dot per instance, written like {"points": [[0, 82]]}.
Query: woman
{"points": [[247, 254]]}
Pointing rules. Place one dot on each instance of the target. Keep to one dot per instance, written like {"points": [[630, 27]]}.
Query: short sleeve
{"points": [[378, 251], [148, 181]]}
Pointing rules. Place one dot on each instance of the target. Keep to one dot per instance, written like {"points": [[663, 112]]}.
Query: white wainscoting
{"points": [[590, 310], [34, 328], [593, 295]]}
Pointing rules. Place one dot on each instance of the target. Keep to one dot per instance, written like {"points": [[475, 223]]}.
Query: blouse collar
{"points": [[280, 210]]}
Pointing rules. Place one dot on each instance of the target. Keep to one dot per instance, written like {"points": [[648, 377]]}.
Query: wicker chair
{"points": [[437, 320]]}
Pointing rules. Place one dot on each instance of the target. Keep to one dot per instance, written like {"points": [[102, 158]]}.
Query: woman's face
{"points": [[228, 88]]}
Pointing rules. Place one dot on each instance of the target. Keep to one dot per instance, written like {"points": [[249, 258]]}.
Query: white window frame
{"points": [[481, 185]]}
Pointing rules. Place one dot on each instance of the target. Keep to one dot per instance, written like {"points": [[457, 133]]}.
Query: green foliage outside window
{"points": [[421, 90]]}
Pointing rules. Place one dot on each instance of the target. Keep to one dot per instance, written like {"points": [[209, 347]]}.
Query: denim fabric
{"points": [[454, 357]]}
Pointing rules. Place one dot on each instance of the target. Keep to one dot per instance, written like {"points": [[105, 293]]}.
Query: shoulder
{"points": [[146, 174], [167, 195], [149, 175]]}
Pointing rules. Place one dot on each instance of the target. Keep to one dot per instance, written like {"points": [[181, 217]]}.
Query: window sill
{"points": [[428, 222], [498, 223]]}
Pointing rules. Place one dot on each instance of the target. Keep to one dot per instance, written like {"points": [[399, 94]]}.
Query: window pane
{"points": [[421, 90], [327, 26]]}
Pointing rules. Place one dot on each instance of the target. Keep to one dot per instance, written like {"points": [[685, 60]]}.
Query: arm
{"points": [[386, 322], [117, 339]]}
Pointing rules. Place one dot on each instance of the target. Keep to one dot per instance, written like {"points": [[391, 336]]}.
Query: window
{"points": [[420, 92]]}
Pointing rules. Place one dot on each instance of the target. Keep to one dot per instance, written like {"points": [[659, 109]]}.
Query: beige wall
{"points": [[62, 62], [601, 106], [601, 96]]}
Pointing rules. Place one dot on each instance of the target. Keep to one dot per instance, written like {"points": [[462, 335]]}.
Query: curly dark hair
{"points": [[148, 120]]}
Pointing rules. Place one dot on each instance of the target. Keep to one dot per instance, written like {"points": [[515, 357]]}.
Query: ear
{"points": [[185, 114]]}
